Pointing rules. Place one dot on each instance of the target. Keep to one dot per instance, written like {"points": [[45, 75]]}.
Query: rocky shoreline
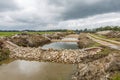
{"points": [[51, 55]]}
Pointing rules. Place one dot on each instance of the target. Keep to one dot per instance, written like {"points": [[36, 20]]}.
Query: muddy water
{"points": [[62, 45], [32, 70]]}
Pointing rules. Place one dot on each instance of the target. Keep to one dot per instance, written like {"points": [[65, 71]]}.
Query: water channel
{"points": [[32, 70]]}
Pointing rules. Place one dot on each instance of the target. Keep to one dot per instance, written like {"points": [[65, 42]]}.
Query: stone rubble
{"points": [[100, 69], [51, 55]]}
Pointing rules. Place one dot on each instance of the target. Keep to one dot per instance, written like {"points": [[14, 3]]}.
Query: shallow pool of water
{"points": [[61, 45], [26, 70], [69, 39], [32, 70]]}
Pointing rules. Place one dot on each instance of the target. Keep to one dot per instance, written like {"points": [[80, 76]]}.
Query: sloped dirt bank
{"points": [[29, 40], [35, 40], [84, 41], [4, 52], [104, 66], [101, 69], [110, 34], [56, 35]]}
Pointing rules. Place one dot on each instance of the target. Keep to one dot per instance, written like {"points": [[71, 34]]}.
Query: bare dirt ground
{"points": [[106, 42]]}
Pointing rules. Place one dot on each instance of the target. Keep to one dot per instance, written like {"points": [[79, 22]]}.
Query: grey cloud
{"points": [[26, 19], [56, 2], [6, 5], [51, 12], [81, 10], [36, 21]]}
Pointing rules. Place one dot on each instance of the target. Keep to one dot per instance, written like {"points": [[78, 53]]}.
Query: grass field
{"points": [[13, 33]]}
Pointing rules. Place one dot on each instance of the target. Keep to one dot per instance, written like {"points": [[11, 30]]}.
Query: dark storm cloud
{"points": [[54, 14], [7, 5], [81, 10]]}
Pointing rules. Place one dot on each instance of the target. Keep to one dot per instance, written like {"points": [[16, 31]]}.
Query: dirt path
{"points": [[108, 40], [108, 43]]}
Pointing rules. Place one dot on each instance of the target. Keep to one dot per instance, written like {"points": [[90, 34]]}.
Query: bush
{"points": [[4, 52], [116, 77]]}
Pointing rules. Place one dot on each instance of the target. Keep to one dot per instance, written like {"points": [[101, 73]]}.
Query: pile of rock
{"points": [[113, 34], [61, 56], [103, 32], [100, 69], [110, 34], [51, 55], [84, 41], [31, 40]]}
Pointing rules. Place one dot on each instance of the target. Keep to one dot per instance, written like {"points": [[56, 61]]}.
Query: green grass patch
{"points": [[94, 44], [116, 39], [6, 61], [41, 32], [4, 54], [116, 76], [8, 34], [104, 39], [105, 50], [101, 36]]}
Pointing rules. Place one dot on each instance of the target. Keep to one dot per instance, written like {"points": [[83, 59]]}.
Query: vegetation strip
{"points": [[111, 41]]}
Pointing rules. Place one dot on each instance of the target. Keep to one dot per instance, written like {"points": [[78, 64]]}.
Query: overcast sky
{"points": [[58, 14]]}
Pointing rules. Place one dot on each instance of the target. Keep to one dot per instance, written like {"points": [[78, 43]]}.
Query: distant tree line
{"points": [[114, 28], [9, 31], [58, 30]]}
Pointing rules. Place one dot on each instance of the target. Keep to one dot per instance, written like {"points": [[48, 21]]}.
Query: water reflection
{"points": [[69, 39], [26, 70], [114, 47], [61, 45]]}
